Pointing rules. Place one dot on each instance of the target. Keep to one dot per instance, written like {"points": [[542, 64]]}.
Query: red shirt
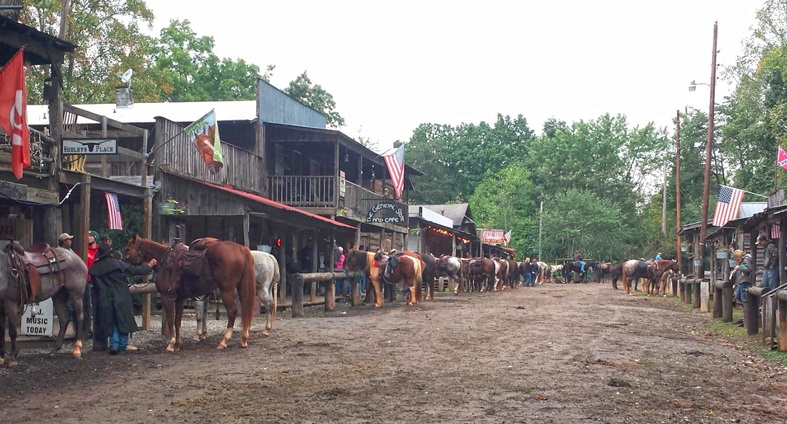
{"points": [[91, 256]]}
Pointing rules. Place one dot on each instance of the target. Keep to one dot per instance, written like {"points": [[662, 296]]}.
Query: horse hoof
{"points": [[377, 306], [170, 348], [244, 345], [410, 303], [266, 333], [221, 346], [11, 364]]}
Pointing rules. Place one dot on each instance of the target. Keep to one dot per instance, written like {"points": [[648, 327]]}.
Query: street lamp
{"points": [[693, 85]]}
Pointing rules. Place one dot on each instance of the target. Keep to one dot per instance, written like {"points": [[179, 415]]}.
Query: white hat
{"points": [[341, 249], [64, 237]]}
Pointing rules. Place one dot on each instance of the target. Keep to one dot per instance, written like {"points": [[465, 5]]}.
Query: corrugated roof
{"points": [[181, 112], [455, 211]]}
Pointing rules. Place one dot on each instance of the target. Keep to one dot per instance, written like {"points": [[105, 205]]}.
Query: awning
{"points": [[276, 205]]}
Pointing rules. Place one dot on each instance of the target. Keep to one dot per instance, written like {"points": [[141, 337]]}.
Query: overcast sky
{"points": [[394, 65]]}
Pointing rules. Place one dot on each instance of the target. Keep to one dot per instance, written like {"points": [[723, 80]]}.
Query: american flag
{"points": [[395, 164], [776, 231], [113, 207], [507, 238], [728, 205]]}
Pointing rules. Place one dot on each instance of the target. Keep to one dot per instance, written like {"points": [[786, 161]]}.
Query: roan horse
{"points": [[224, 265], [56, 273], [664, 269], [634, 270], [450, 266]]}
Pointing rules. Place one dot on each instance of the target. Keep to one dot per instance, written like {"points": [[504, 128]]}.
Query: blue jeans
{"points": [[339, 286], [770, 278], [739, 292], [527, 279], [533, 278], [581, 266], [118, 341], [362, 283]]}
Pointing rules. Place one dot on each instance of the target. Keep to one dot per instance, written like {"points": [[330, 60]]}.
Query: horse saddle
{"points": [[642, 267], [31, 263]]}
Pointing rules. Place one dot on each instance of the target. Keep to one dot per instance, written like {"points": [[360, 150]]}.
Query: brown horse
{"points": [[57, 273], [406, 268], [664, 270], [361, 260], [169, 259], [228, 267], [481, 270]]}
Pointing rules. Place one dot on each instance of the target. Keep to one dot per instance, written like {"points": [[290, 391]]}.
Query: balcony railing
{"points": [[318, 192]]}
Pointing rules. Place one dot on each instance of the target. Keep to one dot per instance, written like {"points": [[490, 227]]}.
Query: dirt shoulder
{"points": [[549, 354]]}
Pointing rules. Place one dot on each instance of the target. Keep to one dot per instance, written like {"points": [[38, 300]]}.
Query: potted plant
{"points": [[170, 207]]}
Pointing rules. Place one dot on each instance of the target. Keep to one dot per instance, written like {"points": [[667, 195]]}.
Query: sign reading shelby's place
{"points": [[89, 147], [386, 212]]}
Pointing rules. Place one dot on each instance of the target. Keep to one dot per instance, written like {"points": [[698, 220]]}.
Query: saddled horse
{"points": [[482, 270], [406, 268], [501, 273], [664, 270], [266, 278], [33, 276], [176, 284], [361, 260], [635, 269], [451, 267], [614, 271], [573, 267], [429, 272]]}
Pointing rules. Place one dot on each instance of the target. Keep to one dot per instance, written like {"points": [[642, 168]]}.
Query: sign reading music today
{"points": [[89, 146]]}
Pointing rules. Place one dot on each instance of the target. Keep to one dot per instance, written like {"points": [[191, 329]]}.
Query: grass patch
{"points": [[718, 327], [775, 355]]}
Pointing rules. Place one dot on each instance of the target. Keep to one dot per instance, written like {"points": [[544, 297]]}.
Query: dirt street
{"points": [[549, 354]]}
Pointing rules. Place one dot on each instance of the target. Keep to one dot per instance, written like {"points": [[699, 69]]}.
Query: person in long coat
{"points": [[114, 310]]}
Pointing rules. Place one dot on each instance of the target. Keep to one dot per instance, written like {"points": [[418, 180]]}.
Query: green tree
{"points": [[108, 39], [316, 97]]}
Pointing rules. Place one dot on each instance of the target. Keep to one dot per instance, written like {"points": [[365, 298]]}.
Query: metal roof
{"points": [[181, 112]]}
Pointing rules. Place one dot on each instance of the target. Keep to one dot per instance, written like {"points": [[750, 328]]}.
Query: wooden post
{"points": [[675, 281], [751, 313], [330, 291], [717, 300], [728, 301], [697, 292], [782, 323], [282, 267], [297, 295], [315, 264], [246, 230], [705, 295]]}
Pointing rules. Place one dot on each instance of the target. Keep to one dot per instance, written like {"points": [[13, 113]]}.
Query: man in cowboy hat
{"points": [[114, 311]]}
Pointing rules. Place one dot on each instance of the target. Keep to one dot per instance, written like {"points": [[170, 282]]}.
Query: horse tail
{"points": [[275, 284], [624, 279], [247, 291]]}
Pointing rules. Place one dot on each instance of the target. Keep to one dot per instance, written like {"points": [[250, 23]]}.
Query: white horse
{"points": [[266, 277]]}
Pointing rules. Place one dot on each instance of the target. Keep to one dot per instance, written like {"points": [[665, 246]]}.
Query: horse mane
{"points": [[152, 246]]}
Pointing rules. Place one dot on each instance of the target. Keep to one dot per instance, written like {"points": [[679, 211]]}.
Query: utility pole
{"points": [[664, 202], [700, 254], [540, 228], [677, 194]]}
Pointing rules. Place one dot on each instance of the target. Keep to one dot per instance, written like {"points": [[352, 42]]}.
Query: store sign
{"points": [[342, 184], [89, 147], [385, 213], [37, 319], [492, 236]]}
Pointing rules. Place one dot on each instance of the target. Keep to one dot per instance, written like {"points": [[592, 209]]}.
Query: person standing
{"points": [[526, 271], [339, 266], [65, 240], [362, 280], [770, 273], [742, 274], [114, 319], [534, 270]]}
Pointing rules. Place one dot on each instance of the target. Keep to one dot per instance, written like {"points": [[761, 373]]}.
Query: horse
{"points": [[614, 271], [501, 273], [513, 273], [664, 267], [636, 269], [451, 267], [228, 267], [480, 270], [573, 266], [428, 272], [406, 268], [361, 260], [174, 291], [168, 281], [36, 275]]}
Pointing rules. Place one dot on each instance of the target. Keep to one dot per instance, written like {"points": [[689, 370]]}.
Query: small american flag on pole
{"points": [[395, 164], [113, 207], [728, 205], [776, 231]]}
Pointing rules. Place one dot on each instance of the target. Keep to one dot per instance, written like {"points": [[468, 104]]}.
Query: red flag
{"points": [[13, 106], [781, 160], [395, 164], [728, 205], [113, 208]]}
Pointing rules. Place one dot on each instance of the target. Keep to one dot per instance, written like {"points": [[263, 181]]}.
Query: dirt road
{"points": [[549, 354]]}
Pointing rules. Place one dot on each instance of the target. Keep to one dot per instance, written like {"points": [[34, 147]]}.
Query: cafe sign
{"points": [[492, 236], [386, 213]]}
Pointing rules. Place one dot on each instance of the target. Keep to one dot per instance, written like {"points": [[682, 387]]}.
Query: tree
{"points": [[314, 96], [108, 40]]}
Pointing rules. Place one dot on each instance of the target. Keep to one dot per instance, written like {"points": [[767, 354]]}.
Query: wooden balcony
{"points": [[317, 195]]}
